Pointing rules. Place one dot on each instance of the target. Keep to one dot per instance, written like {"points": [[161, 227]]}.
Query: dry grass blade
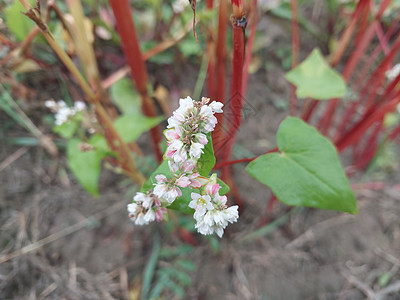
{"points": [[13, 157]]}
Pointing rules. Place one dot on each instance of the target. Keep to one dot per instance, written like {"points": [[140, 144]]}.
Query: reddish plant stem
{"points": [[249, 47], [295, 54], [238, 161], [337, 55], [363, 22], [265, 219], [369, 118], [372, 58], [376, 77], [383, 41], [236, 100], [218, 91], [130, 44], [232, 162], [348, 32], [370, 148], [384, 4], [326, 119], [367, 36]]}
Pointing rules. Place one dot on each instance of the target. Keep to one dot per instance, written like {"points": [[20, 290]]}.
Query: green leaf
{"points": [[85, 165], [17, 23], [130, 127], [67, 129], [384, 279], [126, 98], [307, 171], [224, 187], [316, 79], [207, 160]]}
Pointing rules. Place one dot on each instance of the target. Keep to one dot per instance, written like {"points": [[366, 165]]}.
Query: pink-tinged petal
{"points": [[212, 188], [195, 184], [188, 165], [160, 178], [170, 153], [173, 167], [201, 138], [183, 181], [172, 134], [159, 216], [223, 199]]}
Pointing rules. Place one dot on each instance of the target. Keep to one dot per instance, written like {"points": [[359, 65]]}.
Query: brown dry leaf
{"points": [[162, 96], [193, 6], [69, 19], [26, 66], [135, 288]]}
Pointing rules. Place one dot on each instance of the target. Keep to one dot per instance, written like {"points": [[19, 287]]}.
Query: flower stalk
{"points": [[113, 138]]}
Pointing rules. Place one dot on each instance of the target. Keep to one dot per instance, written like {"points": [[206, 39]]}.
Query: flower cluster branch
{"points": [[186, 136]]}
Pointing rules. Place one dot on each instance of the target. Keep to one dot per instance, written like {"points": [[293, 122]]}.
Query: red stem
{"points": [[218, 91], [130, 45], [337, 55], [209, 4], [295, 54], [326, 119], [236, 100], [377, 74], [369, 118]]}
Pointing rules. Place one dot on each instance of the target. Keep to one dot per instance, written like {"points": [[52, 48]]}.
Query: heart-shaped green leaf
{"points": [[316, 79], [130, 127], [85, 165], [307, 171], [17, 23], [127, 99]]}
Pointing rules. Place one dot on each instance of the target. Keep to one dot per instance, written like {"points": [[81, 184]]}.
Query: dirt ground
{"points": [[57, 242]]}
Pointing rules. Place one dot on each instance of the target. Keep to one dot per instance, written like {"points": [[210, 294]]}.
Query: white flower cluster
{"points": [[186, 139], [211, 212], [62, 112], [146, 209], [179, 5]]}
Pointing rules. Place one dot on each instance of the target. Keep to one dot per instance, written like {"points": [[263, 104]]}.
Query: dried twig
{"points": [[13, 157], [360, 285]]}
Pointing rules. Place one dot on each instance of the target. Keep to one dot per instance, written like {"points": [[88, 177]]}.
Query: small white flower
{"points": [[150, 216], [393, 73], [140, 220], [179, 5], [201, 138], [195, 150], [132, 208], [201, 204], [79, 105], [144, 199], [216, 106]]}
